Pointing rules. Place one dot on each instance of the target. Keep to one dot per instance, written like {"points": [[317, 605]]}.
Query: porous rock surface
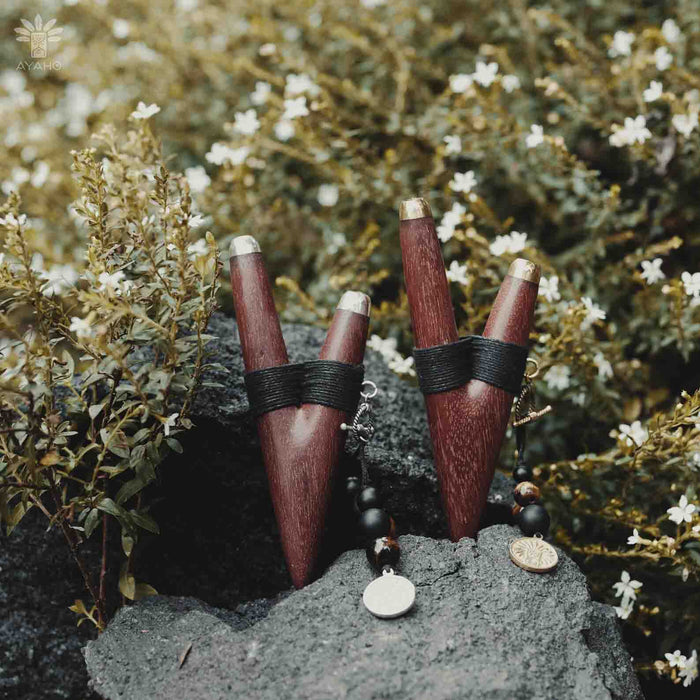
{"points": [[481, 628]]}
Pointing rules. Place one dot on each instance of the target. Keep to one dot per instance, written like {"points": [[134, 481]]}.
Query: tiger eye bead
{"points": [[384, 551], [526, 493]]}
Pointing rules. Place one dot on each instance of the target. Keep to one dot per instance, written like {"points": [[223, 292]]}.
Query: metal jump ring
{"points": [[371, 394], [537, 368]]}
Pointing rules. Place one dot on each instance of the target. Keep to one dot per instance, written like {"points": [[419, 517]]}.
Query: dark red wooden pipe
{"points": [[300, 446], [468, 424]]}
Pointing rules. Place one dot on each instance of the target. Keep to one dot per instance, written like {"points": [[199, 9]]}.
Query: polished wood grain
{"points": [[468, 424], [300, 446]]}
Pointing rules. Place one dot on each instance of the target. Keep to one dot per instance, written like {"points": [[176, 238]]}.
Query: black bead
{"points": [[369, 497], [534, 519], [374, 523], [384, 551], [521, 472], [352, 487]]}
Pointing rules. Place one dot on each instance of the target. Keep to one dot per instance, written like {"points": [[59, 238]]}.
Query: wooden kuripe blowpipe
{"points": [[301, 446], [467, 424]]}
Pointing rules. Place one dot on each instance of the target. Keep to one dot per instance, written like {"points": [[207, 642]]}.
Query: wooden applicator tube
{"points": [[467, 424], [301, 446]]}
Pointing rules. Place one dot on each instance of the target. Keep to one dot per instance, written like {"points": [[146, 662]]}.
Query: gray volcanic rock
{"points": [[212, 502], [481, 628]]}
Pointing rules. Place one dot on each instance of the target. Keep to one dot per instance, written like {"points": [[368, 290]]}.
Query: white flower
{"points": [[402, 365], [518, 242], [144, 111], [621, 44], [169, 422], [247, 122], [185, 5], [634, 538], [195, 220], [300, 84], [683, 512], [197, 178], [625, 608], [220, 153], [463, 182], [535, 137], [634, 434], [13, 82], [558, 377], [11, 220], [485, 73], [267, 49], [671, 31], [284, 129], [337, 242], [460, 82], [685, 123], [295, 107], [605, 370], [663, 58], [198, 248], [40, 174], [457, 273], [549, 288], [328, 195], [689, 672], [593, 313], [58, 279], [513, 243], [372, 4], [634, 131], [510, 82], [626, 587], [453, 144], [121, 28], [450, 220], [261, 93], [81, 327], [113, 283], [654, 91], [651, 271], [691, 282], [385, 347], [676, 659]]}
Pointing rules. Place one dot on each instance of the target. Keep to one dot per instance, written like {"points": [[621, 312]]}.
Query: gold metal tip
{"points": [[415, 208], [525, 270], [355, 301], [242, 245]]}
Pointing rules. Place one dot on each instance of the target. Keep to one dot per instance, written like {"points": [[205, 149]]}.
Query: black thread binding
{"points": [[445, 367], [324, 382], [332, 383]]}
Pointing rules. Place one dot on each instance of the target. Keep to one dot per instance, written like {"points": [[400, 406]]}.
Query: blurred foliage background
{"points": [[566, 132]]}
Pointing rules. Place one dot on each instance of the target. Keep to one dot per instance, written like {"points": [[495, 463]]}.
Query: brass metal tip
{"points": [[242, 245], [525, 270], [355, 301], [415, 208]]}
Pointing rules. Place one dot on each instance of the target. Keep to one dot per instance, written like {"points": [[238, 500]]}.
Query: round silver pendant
{"points": [[389, 596], [533, 554]]}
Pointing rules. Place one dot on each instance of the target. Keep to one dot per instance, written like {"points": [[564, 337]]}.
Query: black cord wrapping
{"points": [[325, 382], [445, 367]]}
